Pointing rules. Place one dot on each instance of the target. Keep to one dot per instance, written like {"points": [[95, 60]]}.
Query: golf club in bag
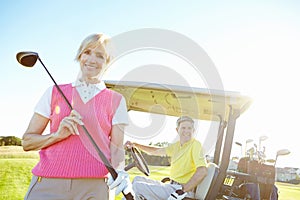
{"points": [[28, 59]]}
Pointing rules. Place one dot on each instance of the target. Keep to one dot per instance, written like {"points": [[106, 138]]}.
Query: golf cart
{"points": [[203, 104]]}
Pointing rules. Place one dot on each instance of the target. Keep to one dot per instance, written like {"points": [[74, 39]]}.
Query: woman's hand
{"points": [[68, 126]]}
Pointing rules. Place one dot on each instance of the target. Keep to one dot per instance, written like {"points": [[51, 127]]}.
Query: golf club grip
{"points": [[128, 196]]}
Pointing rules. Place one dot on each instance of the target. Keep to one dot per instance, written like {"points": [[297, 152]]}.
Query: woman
{"points": [[69, 166]]}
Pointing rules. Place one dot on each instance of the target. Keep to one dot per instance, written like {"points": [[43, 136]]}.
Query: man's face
{"points": [[185, 131]]}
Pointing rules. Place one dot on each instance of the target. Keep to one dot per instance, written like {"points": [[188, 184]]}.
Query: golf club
{"points": [[247, 141], [28, 59], [281, 152], [261, 138]]}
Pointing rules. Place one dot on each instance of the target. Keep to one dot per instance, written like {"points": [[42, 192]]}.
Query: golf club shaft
{"points": [[106, 162], [58, 88]]}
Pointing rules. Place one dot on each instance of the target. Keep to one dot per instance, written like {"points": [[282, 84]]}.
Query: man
{"points": [[188, 166]]}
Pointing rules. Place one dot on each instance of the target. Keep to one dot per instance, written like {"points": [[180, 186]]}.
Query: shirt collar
{"points": [[101, 85], [187, 143]]}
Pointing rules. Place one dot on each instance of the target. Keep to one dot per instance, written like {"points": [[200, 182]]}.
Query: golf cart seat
{"points": [[203, 188]]}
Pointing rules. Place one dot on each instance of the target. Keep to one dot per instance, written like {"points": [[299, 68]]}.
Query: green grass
{"points": [[16, 152], [15, 177], [15, 171], [288, 191], [16, 165]]}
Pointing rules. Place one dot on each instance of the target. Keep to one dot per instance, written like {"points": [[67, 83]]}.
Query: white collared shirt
{"points": [[86, 92]]}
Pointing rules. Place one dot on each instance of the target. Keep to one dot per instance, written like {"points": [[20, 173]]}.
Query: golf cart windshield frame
{"points": [[203, 104]]}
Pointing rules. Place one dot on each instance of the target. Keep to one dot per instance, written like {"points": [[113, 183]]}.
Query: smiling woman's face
{"points": [[92, 62]]}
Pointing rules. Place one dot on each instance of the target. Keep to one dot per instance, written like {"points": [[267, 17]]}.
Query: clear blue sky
{"points": [[254, 46]]}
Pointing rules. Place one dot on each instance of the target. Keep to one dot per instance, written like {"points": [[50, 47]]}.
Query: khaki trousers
{"points": [[148, 189], [68, 189]]}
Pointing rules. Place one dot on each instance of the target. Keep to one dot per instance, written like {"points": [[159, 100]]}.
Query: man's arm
{"points": [[157, 151], [198, 176]]}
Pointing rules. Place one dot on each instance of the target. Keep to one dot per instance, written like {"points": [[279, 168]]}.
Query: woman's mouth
{"points": [[90, 67]]}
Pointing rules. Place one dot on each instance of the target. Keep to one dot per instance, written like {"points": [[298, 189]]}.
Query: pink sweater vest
{"points": [[75, 157]]}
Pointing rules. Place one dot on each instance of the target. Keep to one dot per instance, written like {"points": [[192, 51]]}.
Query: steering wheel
{"points": [[138, 161]]}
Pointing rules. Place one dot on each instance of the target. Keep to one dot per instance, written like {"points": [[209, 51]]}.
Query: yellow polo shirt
{"points": [[185, 160]]}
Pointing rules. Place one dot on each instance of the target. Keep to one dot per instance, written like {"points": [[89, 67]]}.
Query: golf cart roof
{"points": [[173, 100]]}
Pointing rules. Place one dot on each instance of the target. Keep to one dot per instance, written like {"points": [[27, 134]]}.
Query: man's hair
{"points": [[184, 119]]}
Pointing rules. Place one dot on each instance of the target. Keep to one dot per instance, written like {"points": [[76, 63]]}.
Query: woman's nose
{"points": [[92, 58]]}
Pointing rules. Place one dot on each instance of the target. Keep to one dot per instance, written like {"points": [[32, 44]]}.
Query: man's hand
{"points": [[128, 145], [177, 195], [122, 183]]}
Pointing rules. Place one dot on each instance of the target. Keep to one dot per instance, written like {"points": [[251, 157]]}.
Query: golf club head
{"points": [[263, 138], [248, 141], [283, 152], [27, 58]]}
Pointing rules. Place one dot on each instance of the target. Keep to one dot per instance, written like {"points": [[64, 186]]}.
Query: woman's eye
{"points": [[87, 52], [100, 55]]}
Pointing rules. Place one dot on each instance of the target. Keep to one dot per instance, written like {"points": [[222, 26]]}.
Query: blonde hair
{"points": [[95, 40]]}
